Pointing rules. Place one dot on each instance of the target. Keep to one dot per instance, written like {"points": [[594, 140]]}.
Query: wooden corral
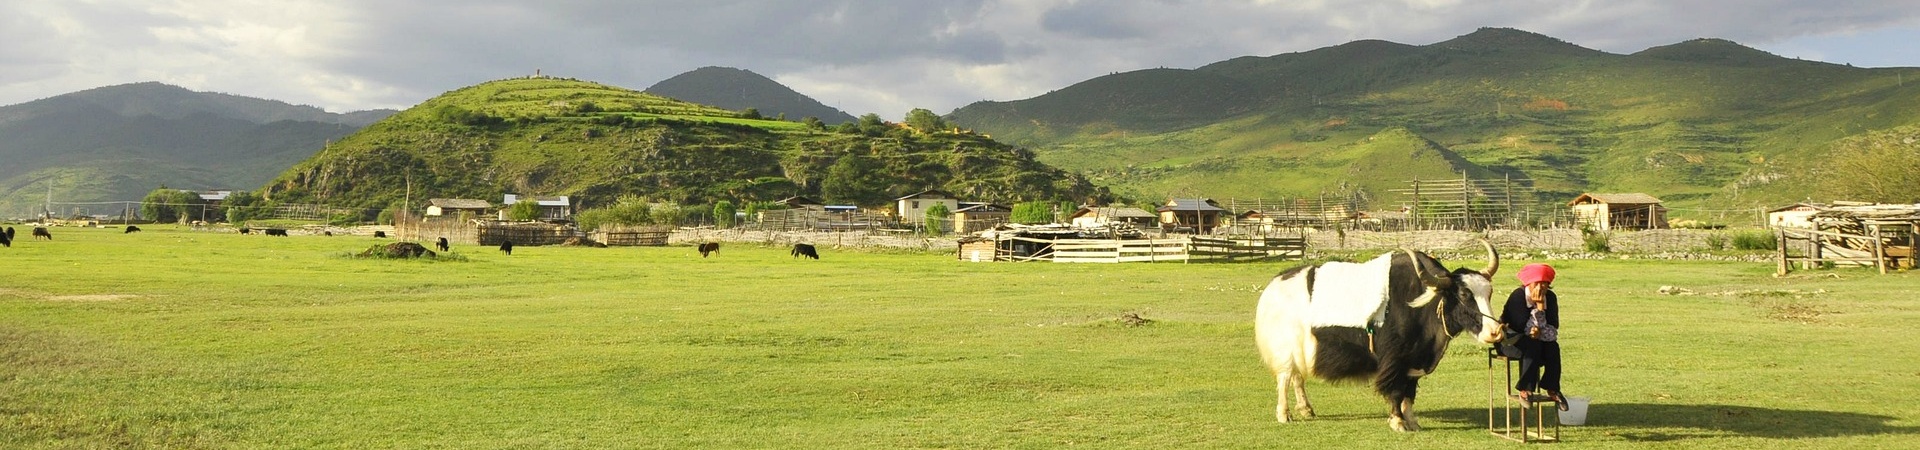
{"points": [[811, 219], [1468, 204], [1075, 245], [631, 238], [483, 232], [1880, 236]]}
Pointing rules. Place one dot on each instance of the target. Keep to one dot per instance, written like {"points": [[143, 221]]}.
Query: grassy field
{"points": [[174, 338]]}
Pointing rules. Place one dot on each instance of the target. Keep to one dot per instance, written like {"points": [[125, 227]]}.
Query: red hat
{"points": [[1534, 273]]}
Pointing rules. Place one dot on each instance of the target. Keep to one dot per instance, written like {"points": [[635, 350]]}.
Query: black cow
{"points": [[131, 229], [379, 234], [442, 245], [507, 246], [41, 232], [806, 250], [1389, 320], [709, 248], [276, 232]]}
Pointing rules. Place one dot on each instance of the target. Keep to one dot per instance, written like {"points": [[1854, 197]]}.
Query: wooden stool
{"points": [[1512, 416]]}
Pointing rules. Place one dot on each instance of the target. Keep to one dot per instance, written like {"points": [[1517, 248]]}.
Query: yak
{"points": [[277, 232], [379, 234], [1388, 319], [41, 233], [707, 248], [507, 246], [806, 250], [442, 245], [245, 230], [131, 229]]}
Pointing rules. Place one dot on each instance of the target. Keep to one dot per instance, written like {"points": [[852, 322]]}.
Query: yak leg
{"points": [[1284, 379], [1300, 397], [1406, 414]]}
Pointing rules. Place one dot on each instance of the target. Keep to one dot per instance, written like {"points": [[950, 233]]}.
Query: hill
{"points": [[1698, 123], [119, 142], [738, 89], [597, 143]]}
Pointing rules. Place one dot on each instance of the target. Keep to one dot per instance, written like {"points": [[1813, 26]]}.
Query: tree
{"points": [[925, 121], [169, 205], [813, 123], [243, 206], [1032, 213], [723, 214], [751, 113], [524, 210], [1877, 167], [855, 179], [937, 218]]}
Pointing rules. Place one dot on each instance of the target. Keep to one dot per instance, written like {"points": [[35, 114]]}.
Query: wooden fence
{"points": [[632, 238], [1182, 249]]}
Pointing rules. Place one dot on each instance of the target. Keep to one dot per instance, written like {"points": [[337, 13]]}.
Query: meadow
{"points": [[183, 339]]}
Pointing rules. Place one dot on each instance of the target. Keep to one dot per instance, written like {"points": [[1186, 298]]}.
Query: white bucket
{"points": [[1576, 413]]}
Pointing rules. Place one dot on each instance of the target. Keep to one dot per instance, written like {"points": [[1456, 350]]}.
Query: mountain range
{"points": [[739, 89], [1704, 124], [117, 143]]}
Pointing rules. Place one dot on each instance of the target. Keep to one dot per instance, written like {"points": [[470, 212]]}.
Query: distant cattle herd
{"points": [[706, 249]]}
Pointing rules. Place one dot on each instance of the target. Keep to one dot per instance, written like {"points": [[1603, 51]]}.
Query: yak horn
{"points": [[1494, 255]]}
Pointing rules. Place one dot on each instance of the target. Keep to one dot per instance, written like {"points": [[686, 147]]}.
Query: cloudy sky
{"points": [[878, 56]]}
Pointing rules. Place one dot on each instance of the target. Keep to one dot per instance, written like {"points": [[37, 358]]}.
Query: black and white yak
{"points": [[1387, 320]]}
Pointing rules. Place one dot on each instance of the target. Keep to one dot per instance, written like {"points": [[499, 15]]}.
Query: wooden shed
{"points": [[1632, 211], [1095, 216], [1191, 215], [455, 206], [975, 217]]}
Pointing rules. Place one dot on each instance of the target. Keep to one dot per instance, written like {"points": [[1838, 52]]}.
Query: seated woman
{"points": [[1533, 312]]}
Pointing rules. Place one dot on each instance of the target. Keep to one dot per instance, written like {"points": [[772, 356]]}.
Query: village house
{"points": [[1190, 215], [913, 208], [799, 202], [1797, 215], [551, 207], [974, 217], [456, 206], [1631, 211]]}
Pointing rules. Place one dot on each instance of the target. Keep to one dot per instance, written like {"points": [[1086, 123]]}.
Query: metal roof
{"points": [[1190, 204], [1634, 198], [459, 203], [1115, 212]]}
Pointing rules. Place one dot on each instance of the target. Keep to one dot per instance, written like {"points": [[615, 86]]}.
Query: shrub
{"points": [[723, 214], [1755, 240], [1717, 241], [1598, 242]]}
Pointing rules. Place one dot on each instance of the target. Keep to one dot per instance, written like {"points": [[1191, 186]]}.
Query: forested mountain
{"points": [[738, 89], [119, 142], [1702, 122], [598, 143]]}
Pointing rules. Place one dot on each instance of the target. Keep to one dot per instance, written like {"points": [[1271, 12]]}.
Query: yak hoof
{"points": [[1306, 412], [1402, 426]]}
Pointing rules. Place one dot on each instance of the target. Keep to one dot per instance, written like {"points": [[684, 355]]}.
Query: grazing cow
{"points": [[379, 234], [41, 232], [442, 245], [131, 229], [709, 248], [806, 250], [1388, 320], [507, 246], [276, 232]]}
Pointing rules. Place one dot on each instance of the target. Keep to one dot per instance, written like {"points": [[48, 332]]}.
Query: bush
{"points": [[1598, 242], [1755, 240], [1717, 241], [723, 214], [525, 210]]}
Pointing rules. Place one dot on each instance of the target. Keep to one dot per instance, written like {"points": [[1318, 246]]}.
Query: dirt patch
{"points": [[1789, 310]]}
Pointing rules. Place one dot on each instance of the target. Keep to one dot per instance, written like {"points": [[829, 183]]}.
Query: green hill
{"points": [[1703, 124], [546, 136], [117, 143]]}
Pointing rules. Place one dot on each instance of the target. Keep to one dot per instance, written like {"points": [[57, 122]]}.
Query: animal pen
{"points": [[1881, 236], [1470, 204], [1070, 245]]}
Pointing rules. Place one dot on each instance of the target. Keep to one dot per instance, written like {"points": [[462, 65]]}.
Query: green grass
{"points": [[174, 338]]}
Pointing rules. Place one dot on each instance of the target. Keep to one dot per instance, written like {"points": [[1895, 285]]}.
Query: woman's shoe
{"points": [[1560, 400]]}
